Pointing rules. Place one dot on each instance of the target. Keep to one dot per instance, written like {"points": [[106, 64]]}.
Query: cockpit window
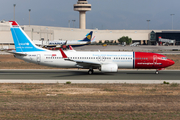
{"points": [[164, 58]]}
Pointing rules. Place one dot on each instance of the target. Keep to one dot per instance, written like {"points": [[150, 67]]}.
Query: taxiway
{"points": [[81, 76]]}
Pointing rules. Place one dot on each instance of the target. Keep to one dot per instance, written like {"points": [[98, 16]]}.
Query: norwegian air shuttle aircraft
{"points": [[104, 61]]}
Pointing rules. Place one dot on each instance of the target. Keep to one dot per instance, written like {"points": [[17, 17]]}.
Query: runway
{"points": [[81, 76]]}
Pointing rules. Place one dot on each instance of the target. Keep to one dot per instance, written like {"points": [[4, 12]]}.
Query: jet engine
{"points": [[109, 68]]}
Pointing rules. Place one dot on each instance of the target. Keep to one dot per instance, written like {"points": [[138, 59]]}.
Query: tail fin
{"points": [[88, 37], [93, 39], [22, 42]]}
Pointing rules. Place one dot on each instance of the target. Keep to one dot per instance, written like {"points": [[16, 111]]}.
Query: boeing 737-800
{"points": [[104, 61], [75, 43]]}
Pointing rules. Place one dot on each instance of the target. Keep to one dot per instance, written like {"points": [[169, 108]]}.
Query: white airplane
{"points": [[75, 43], [104, 61]]}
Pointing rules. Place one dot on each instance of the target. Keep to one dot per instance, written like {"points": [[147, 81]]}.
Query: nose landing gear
{"points": [[157, 72]]}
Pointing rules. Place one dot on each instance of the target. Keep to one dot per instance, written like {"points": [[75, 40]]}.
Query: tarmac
{"points": [[81, 76]]}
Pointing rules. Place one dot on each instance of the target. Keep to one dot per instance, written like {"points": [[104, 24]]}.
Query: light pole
{"points": [[148, 23], [73, 22], [29, 16], [69, 23], [172, 20], [14, 11]]}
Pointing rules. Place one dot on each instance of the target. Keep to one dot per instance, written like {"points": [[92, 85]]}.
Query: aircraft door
{"points": [[101, 58], [38, 58], [154, 59]]}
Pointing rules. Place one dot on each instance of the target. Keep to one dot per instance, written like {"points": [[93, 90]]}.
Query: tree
{"points": [[100, 42], [106, 41], [112, 41], [115, 43], [125, 39]]}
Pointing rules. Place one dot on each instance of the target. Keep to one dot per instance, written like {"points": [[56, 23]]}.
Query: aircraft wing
{"points": [[84, 62], [79, 62]]}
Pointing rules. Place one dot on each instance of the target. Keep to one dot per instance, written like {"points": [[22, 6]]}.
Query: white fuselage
{"points": [[55, 59], [74, 42]]}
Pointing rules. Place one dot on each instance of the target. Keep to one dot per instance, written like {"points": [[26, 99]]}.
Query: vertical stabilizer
{"points": [[88, 37], [22, 42]]}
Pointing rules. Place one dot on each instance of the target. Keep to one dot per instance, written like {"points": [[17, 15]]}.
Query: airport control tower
{"points": [[82, 6]]}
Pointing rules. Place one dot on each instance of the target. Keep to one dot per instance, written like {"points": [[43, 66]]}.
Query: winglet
{"points": [[93, 39], [62, 53], [70, 47]]}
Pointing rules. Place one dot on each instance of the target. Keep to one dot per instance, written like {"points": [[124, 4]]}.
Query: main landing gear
{"points": [[157, 70], [91, 71]]}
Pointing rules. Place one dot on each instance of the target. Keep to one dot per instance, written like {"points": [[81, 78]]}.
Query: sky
{"points": [[105, 14]]}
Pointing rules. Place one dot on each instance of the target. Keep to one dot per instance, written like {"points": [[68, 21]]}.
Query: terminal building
{"points": [[44, 34], [41, 35]]}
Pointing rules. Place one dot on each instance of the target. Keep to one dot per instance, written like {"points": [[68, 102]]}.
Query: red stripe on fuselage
{"points": [[145, 60]]}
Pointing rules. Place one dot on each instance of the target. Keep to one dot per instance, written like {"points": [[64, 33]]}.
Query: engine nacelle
{"points": [[109, 68]]}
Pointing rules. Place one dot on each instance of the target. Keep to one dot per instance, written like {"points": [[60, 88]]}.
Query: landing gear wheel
{"points": [[90, 72], [157, 72]]}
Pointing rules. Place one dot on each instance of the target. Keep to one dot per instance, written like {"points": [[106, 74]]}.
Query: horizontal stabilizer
{"points": [[17, 53]]}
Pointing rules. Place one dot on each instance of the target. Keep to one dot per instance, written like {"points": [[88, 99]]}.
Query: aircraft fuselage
{"points": [[129, 60]]}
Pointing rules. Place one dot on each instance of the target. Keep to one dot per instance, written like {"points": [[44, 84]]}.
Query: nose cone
{"points": [[171, 62]]}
